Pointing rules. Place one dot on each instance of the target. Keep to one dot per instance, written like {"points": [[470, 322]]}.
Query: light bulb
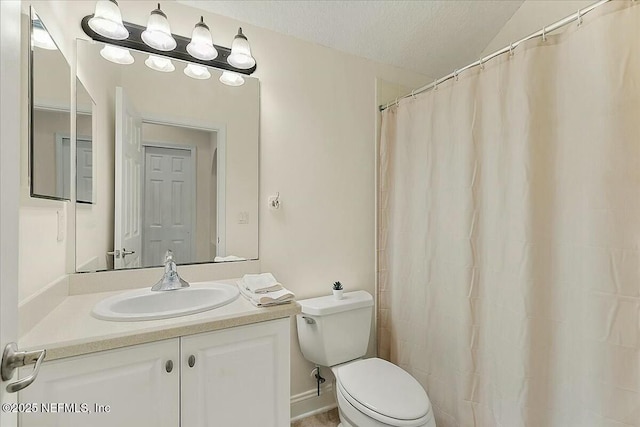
{"points": [[197, 72], [159, 63], [116, 54], [158, 33], [241, 52], [231, 79], [107, 20], [201, 45]]}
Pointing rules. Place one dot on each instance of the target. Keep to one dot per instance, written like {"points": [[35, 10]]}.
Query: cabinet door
{"points": [[240, 377], [132, 381]]}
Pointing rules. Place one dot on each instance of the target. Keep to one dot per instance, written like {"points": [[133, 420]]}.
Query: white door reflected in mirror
{"points": [[185, 155]]}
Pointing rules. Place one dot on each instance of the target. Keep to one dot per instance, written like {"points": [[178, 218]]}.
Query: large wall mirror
{"points": [[50, 116], [173, 162]]}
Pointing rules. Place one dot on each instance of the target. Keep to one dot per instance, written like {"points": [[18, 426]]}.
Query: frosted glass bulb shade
{"points": [[107, 20], [159, 63], [231, 79], [41, 37], [201, 45], [241, 52], [158, 33], [117, 55], [197, 72]]}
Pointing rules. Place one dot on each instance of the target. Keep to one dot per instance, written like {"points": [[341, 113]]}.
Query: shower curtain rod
{"points": [[541, 33]]}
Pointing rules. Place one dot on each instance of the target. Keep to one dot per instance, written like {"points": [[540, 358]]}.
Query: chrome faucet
{"points": [[171, 280]]}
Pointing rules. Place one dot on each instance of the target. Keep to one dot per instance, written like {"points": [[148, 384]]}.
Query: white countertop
{"points": [[71, 330]]}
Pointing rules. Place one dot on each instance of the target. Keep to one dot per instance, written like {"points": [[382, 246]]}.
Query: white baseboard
{"points": [[308, 403]]}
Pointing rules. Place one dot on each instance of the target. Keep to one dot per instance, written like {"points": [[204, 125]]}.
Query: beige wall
{"points": [[318, 113]]}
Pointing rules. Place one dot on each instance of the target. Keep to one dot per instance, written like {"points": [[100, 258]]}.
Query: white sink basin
{"points": [[145, 304]]}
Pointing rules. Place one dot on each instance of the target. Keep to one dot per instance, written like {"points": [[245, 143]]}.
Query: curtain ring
{"points": [[435, 84], [511, 49], [455, 74], [544, 34], [579, 17], [397, 102], [413, 95], [481, 64]]}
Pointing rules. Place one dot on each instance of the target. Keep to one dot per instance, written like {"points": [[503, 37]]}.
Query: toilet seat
{"points": [[384, 392]]}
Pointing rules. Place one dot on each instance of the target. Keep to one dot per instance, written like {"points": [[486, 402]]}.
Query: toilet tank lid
{"points": [[322, 306]]}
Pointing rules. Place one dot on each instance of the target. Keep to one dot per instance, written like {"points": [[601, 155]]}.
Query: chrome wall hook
{"points": [[274, 201]]}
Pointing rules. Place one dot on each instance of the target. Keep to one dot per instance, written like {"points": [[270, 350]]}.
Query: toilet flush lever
{"points": [[12, 359], [309, 320]]}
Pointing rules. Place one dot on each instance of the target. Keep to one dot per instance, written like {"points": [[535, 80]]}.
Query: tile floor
{"points": [[326, 419]]}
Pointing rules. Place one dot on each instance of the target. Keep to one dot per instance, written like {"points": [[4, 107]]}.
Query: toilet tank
{"points": [[333, 331]]}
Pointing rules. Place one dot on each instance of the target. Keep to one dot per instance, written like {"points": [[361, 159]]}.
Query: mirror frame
{"points": [[30, 115]]}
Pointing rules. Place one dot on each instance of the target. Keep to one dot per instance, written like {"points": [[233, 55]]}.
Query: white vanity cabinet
{"points": [[132, 381], [235, 377]]}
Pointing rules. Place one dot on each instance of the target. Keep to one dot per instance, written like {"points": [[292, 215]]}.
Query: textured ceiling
{"points": [[427, 36]]}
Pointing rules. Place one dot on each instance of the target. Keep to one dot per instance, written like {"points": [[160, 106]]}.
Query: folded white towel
{"points": [[261, 283], [283, 296], [228, 258]]}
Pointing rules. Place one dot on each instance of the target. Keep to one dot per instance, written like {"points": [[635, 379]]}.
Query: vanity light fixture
{"points": [[160, 63], [231, 79], [40, 36], [158, 33], [201, 45], [197, 72], [241, 52], [156, 39], [116, 54], [107, 20]]}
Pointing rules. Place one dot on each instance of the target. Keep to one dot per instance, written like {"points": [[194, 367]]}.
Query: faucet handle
{"points": [[170, 280]]}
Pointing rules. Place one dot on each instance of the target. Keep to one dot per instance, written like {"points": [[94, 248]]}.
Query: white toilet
{"points": [[371, 392]]}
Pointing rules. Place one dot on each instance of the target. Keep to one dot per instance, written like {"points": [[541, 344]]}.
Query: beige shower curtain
{"points": [[509, 233]]}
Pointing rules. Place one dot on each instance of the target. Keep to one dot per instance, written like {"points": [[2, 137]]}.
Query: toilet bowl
{"points": [[376, 393], [370, 392]]}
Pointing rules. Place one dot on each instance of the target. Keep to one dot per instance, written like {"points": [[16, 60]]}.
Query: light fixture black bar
{"points": [[134, 41]]}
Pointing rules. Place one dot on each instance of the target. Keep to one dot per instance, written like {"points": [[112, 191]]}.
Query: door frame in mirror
{"points": [[221, 131]]}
